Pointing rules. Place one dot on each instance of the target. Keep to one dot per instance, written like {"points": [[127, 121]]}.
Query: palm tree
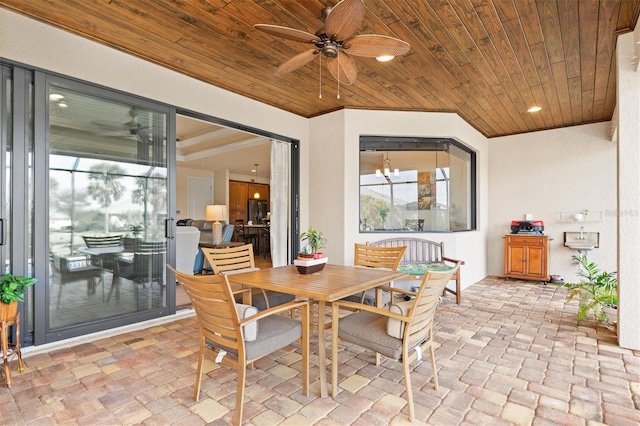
{"points": [[151, 192], [105, 188]]}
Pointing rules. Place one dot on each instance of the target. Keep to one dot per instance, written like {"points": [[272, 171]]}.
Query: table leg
{"points": [[322, 354]]}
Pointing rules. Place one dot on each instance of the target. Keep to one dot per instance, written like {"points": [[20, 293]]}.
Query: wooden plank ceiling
{"points": [[487, 60]]}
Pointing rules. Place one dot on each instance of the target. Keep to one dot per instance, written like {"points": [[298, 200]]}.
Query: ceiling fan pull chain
{"points": [[320, 72], [338, 59]]}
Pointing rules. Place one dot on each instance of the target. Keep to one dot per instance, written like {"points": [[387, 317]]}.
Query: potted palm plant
{"points": [[12, 291], [597, 291]]}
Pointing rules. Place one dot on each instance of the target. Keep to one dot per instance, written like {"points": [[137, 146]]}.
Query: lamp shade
{"points": [[216, 213]]}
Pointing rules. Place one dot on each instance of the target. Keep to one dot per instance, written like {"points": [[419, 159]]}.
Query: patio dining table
{"points": [[333, 283]]}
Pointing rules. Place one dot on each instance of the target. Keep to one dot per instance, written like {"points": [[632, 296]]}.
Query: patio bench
{"points": [[422, 256]]}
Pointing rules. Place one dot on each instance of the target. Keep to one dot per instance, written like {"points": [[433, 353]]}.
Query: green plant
{"points": [[595, 290], [314, 238], [135, 230], [14, 288]]}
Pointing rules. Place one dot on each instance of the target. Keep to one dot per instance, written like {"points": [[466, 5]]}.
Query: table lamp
{"points": [[216, 213]]}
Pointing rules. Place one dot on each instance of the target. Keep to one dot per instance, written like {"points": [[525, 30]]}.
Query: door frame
{"points": [[294, 195]]}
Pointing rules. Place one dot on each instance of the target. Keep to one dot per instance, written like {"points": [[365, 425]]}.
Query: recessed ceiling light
{"points": [[62, 104], [384, 58], [534, 109], [55, 97]]}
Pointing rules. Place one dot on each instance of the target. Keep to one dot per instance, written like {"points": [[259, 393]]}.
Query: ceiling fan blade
{"points": [[297, 61], [288, 33], [374, 45], [343, 68], [344, 19]]}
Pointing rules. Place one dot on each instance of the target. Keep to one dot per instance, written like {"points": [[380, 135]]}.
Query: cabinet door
{"points": [[515, 260], [238, 197], [536, 262]]}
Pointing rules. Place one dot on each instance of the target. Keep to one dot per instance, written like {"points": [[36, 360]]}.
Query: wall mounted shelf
{"points": [[573, 217]]}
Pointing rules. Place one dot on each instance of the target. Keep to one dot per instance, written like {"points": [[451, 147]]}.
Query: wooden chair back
{"points": [[103, 241], [424, 306], [230, 258], [378, 257], [216, 313]]}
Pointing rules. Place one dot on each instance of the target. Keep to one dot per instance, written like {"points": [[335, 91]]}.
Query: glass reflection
{"points": [[107, 205]]}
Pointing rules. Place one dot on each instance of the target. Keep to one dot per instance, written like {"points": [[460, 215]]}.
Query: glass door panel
{"points": [[6, 126], [107, 209]]}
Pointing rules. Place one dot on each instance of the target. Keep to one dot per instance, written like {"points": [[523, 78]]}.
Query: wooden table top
{"points": [[334, 282]]}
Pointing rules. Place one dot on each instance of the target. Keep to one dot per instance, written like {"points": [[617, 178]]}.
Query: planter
{"points": [[8, 311], [612, 314], [310, 266]]}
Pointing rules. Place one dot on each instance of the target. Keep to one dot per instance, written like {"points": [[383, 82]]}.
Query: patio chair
{"points": [[68, 269], [145, 267], [237, 335], [403, 332], [235, 260], [375, 257]]}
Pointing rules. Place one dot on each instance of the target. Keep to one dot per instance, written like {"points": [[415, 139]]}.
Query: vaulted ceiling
{"points": [[487, 60]]}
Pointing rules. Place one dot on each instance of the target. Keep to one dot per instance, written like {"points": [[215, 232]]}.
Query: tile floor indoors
{"points": [[511, 353]]}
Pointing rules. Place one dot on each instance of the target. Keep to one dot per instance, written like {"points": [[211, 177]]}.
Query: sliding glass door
{"points": [[108, 221]]}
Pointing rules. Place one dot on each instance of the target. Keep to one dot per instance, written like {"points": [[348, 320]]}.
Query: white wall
{"points": [[628, 89], [334, 190], [549, 172], [32, 43]]}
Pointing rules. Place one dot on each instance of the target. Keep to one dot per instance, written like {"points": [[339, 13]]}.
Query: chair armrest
{"points": [[275, 310], [361, 307], [448, 259], [398, 290]]}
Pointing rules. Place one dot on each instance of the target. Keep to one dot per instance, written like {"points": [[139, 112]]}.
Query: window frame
{"points": [[391, 144]]}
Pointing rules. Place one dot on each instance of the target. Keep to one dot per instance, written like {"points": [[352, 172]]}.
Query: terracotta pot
{"points": [[8, 311]]}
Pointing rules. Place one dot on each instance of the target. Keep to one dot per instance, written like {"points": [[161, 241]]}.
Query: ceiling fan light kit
{"points": [[337, 43]]}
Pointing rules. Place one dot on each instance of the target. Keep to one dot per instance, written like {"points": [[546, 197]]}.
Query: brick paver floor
{"points": [[511, 353]]}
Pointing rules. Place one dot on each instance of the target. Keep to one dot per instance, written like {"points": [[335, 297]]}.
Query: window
{"points": [[416, 185]]}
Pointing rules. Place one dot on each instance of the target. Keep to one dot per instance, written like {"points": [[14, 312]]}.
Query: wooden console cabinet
{"points": [[526, 257]]}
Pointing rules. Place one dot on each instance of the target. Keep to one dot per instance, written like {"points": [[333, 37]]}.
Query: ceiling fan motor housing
{"points": [[330, 50]]}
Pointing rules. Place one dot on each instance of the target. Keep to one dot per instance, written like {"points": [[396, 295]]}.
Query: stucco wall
{"points": [[334, 192], [547, 173]]}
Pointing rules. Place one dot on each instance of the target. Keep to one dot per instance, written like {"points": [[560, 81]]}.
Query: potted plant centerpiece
{"points": [[12, 291], [597, 291], [315, 241], [310, 259]]}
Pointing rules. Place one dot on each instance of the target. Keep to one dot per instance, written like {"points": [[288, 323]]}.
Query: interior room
{"points": [[212, 96]]}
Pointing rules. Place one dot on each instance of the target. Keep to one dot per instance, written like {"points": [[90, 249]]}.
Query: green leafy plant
{"points": [[314, 238], [14, 287], [595, 290]]}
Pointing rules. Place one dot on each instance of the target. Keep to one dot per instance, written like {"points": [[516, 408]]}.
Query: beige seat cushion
{"points": [[395, 327]]}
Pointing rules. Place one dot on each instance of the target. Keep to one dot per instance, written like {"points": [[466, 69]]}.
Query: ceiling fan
{"points": [[336, 42], [130, 128]]}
